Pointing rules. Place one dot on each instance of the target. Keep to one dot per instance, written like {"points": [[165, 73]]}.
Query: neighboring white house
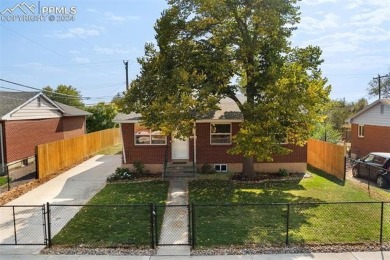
{"points": [[370, 129]]}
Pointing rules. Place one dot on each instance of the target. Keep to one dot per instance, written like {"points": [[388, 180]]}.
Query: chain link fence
{"points": [[23, 225], [294, 224], [100, 225], [16, 174], [149, 225]]}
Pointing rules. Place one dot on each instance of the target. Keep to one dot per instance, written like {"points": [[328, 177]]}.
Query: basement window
{"points": [[220, 167]]}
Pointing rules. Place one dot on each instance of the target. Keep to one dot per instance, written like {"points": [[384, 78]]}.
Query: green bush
{"points": [[207, 169], [121, 174], [283, 172], [139, 167]]}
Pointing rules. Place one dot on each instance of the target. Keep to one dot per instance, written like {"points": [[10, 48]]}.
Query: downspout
{"points": [[194, 133], [2, 149], [123, 146]]}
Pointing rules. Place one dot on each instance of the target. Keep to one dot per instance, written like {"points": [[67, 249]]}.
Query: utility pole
{"points": [[379, 83], [126, 62]]}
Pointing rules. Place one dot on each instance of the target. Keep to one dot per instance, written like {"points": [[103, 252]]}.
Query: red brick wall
{"points": [[376, 139], [213, 153], [147, 154], [22, 136], [206, 152], [73, 126]]}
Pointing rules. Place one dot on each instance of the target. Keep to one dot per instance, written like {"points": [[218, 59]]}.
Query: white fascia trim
{"points": [[197, 121], [8, 116]]}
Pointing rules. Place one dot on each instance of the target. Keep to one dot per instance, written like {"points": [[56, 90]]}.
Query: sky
{"points": [[84, 43]]}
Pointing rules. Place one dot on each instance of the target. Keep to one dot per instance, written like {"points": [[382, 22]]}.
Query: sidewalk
{"points": [[309, 256], [75, 186], [174, 236]]}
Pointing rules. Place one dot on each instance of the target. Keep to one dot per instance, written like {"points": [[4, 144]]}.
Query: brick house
{"points": [[370, 129], [30, 118], [209, 144]]}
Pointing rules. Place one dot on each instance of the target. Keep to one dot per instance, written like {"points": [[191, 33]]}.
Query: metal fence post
{"points": [[8, 178], [287, 224], [13, 214], [48, 225], [381, 231], [193, 220], [152, 228]]}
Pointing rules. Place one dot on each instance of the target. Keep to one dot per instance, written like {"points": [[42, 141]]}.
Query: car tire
{"points": [[355, 172], [381, 182]]}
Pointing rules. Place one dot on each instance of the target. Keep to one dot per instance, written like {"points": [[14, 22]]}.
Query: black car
{"points": [[374, 166]]}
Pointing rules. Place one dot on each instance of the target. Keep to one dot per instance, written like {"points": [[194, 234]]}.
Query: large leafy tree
{"points": [[64, 94], [203, 46], [102, 116]]}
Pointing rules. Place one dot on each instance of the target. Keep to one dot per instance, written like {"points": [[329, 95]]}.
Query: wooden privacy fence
{"points": [[327, 157], [55, 156]]}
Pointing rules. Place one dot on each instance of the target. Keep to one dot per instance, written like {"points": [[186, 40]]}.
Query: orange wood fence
{"points": [[58, 155], [327, 157]]}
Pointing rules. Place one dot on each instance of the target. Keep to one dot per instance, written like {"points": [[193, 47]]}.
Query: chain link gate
{"points": [[23, 225], [172, 225]]}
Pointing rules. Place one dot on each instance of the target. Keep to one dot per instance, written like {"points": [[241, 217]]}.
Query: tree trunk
{"points": [[248, 169]]}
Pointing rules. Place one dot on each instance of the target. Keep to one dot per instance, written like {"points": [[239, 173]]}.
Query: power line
{"points": [[37, 43], [54, 66], [55, 93], [11, 89]]}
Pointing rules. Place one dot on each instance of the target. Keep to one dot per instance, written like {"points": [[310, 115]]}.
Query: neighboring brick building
{"points": [[30, 118], [370, 129], [209, 145]]}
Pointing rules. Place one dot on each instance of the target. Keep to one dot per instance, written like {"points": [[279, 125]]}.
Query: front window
{"points": [[361, 131], [144, 136], [220, 133]]}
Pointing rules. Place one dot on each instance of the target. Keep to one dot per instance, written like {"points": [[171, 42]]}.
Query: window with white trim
{"points": [[360, 130], [220, 133], [220, 167], [144, 136]]}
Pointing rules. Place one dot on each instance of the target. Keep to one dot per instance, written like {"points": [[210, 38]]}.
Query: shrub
{"points": [[283, 172], [207, 169], [139, 167], [121, 174]]}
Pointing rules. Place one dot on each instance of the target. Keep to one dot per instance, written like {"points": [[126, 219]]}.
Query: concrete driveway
{"points": [[75, 186]]}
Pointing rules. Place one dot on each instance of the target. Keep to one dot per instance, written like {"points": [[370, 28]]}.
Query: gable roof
{"points": [[228, 111], [72, 111], [10, 101], [385, 102]]}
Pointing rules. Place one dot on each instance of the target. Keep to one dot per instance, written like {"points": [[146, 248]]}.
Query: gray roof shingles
{"points": [[12, 100], [228, 111]]}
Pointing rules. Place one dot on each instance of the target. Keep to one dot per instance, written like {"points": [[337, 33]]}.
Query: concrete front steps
{"points": [[180, 169]]}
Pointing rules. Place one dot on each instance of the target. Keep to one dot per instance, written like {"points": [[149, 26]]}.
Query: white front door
{"points": [[180, 149]]}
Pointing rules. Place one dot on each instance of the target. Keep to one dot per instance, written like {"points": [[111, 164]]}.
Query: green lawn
{"points": [[308, 223], [112, 150], [3, 180], [113, 217]]}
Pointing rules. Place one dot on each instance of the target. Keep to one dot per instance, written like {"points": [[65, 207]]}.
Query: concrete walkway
{"points": [[174, 238], [75, 186], [307, 256]]}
